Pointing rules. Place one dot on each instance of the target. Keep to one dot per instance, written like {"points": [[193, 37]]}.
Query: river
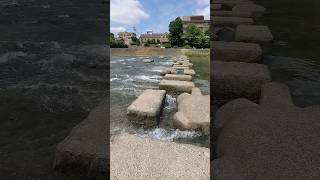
{"points": [[129, 78]]}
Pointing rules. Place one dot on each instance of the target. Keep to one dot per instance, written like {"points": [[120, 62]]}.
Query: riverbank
{"points": [[157, 52]]}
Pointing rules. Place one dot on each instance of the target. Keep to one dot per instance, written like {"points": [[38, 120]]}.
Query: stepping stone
{"points": [[185, 71], [196, 91], [86, 146], [254, 9], [215, 7], [176, 86], [235, 51], [193, 113], [253, 33], [180, 67], [231, 80], [133, 157], [145, 110], [231, 14], [178, 77], [231, 21], [232, 3], [165, 71], [275, 94]]}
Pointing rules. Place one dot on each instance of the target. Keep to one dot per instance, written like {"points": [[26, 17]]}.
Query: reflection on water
{"points": [[129, 78]]}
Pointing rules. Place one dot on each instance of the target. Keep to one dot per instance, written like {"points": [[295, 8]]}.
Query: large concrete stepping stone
{"points": [[254, 9], [145, 110], [235, 51], [186, 71], [215, 7], [133, 157], [84, 151], [178, 77], [176, 86], [231, 80], [231, 3], [165, 71], [193, 112], [254, 139], [253, 33], [275, 94], [231, 14], [231, 21]]}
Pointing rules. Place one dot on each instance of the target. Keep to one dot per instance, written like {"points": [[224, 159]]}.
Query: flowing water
{"points": [[129, 78], [294, 57]]}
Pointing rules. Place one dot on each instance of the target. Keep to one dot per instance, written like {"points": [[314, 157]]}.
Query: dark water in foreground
{"points": [[129, 78], [294, 57]]}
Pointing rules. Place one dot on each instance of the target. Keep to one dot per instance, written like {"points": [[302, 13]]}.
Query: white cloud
{"points": [[202, 2], [116, 30], [128, 12], [205, 11]]}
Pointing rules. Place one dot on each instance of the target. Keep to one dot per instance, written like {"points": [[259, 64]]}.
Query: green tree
{"points": [[176, 32], [193, 36], [158, 41]]}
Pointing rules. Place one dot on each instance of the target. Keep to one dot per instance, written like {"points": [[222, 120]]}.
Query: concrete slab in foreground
{"points": [[176, 86], [253, 33], [132, 157], [236, 51], [147, 107], [178, 77]]}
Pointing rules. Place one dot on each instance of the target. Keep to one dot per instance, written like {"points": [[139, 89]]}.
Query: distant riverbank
{"points": [[157, 52]]}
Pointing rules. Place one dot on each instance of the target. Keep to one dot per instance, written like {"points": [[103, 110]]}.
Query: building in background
{"points": [[199, 21], [157, 38], [126, 37]]}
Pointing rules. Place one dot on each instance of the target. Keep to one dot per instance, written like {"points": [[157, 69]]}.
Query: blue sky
{"points": [[152, 14]]}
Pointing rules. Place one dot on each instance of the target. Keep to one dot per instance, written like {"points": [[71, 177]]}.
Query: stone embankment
{"points": [[260, 133]]}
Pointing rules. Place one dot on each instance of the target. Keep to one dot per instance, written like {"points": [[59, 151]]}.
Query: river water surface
{"points": [[129, 78]]}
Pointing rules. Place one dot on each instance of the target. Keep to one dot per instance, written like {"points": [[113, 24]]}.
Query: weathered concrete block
{"points": [[165, 71], [254, 9], [235, 51], [178, 77], [275, 94], [193, 113], [147, 107], [253, 33], [231, 21], [176, 86], [133, 157], [185, 71], [231, 80], [84, 150], [243, 14], [215, 7], [196, 91], [259, 138]]}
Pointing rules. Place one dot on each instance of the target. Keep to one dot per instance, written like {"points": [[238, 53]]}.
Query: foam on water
{"points": [[167, 135], [170, 102]]}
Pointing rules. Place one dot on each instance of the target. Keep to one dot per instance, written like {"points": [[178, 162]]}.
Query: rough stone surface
{"points": [[178, 77], [165, 71], [275, 94], [186, 71], [214, 7], [196, 91], [235, 51], [268, 142], [231, 14], [132, 157], [231, 3], [146, 108], [176, 86], [253, 33], [254, 9], [84, 150], [193, 113], [226, 21], [231, 80]]}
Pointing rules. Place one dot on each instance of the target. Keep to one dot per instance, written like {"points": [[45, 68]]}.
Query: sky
{"points": [[152, 14]]}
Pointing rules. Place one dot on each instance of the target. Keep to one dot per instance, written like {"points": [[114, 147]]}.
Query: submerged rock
{"points": [[145, 110], [133, 157]]}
